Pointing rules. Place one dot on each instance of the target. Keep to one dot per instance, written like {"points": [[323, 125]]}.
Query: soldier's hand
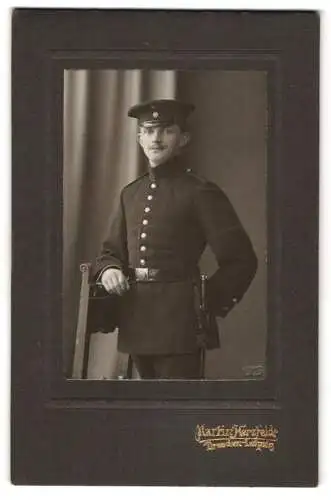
{"points": [[114, 281]]}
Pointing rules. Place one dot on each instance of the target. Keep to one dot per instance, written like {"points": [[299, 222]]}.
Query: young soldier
{"points": [[163, 223]]}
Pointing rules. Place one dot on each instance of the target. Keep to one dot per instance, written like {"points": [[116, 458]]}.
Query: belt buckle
{"points": [[146, 274], [142, 274]]}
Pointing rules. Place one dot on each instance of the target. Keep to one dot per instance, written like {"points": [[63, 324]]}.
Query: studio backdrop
{"points": [[101, 155]]}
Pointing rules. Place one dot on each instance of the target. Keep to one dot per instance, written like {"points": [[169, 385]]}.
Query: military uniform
{"points": [[164, 221]]}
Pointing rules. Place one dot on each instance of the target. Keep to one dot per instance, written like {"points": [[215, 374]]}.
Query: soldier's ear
{"points": [[139, 137], [184, 139]]}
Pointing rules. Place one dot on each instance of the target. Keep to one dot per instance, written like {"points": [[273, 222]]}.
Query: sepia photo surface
{"points": [[228, 132]]}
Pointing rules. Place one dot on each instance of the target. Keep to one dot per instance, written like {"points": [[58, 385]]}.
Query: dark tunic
{"points": [[164, 221]]}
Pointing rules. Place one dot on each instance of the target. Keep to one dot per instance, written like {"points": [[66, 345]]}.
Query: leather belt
{"points": [[159, 275]]}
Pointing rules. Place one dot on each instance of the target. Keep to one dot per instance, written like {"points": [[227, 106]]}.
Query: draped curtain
{"points": [[101, 155]]}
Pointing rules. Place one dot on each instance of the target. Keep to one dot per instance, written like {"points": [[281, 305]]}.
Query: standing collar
{"points": [[172, 167]]}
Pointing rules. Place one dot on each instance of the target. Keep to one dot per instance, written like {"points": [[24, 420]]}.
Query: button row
{"points": [[143, 234]]}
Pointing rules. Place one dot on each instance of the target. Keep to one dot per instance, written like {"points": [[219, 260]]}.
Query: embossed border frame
{"points": [[88, 414]]}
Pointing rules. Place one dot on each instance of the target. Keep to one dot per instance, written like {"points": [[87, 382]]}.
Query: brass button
{"points": [[150, 197], [234, 300], [147, 209], [153, 185], [145, 222], [143, 248], [143, 235], [142, 262]]}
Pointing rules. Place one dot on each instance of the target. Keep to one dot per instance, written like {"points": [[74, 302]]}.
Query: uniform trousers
{"points": [[173, 366]]}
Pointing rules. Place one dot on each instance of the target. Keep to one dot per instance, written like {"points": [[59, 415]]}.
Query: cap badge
{"points": [[155, 114]]}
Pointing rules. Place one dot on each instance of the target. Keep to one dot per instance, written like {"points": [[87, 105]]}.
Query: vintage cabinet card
{"points": [[165, 246]]}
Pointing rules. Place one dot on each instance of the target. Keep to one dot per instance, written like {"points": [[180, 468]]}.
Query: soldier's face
{"points": [[160, 143]]}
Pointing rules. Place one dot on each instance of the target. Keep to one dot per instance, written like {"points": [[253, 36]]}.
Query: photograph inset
{"points": [[165, 224]]}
